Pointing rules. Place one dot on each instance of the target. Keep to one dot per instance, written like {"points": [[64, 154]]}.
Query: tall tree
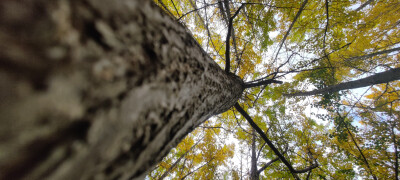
{"points": [[105, 89], [318, 43]]}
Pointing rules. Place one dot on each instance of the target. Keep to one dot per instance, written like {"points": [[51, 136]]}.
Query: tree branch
{"points": [[363, 5], [177, 12], [165, 8], [378, 78], [228, 36], [290, 27], [372, 54], [352, 137], [308, 175], [261, 83], [216, 127], [177, 161], [306, 65], [196, 9], [205, 24], [266, 165], [191, 172], [271, 145], [228, 13], [324, 41], [223, 12], [360, 151]]}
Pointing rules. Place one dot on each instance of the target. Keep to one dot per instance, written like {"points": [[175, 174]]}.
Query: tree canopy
{"points": [[322, 90]]}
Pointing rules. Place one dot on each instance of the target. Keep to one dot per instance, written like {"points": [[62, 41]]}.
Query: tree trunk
{"points": [[99, 89], [253, 169]]}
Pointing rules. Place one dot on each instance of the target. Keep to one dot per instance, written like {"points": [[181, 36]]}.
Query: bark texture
{"points": [[99, 89]]}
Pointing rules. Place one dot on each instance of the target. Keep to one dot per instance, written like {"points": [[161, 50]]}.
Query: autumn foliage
{"points": [[299, 46]]}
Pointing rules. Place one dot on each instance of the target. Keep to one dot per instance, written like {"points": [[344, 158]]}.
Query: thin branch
{"points": [[206, 26], [352, 137], [177, 12], [228, 13], [191, 172], [327, 24], [240, 55], [271, 145], [194, 10], [259, 151], [223, 12], [238, 123], [290, 27], [360, 151], [306, 65], [324, 41], [228, 36], [263, 135], [258, 97], [378, 78], [364, 5], [286, 62], [177, 161], [308, 175], [216, 127], [333, 51], [261, 83], [372, 54], [266, 165], [165, 8], [271, 6]]}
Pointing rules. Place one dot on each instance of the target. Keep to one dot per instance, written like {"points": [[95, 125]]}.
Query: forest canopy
{"points": [[322, 90]]}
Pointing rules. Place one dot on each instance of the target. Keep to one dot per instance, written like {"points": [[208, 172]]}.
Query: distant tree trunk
{"points": [[99, 89], [253, 169], [396, 152]]}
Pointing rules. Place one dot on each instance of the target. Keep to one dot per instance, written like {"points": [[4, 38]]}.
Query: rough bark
{"points": [[99, 89]]}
